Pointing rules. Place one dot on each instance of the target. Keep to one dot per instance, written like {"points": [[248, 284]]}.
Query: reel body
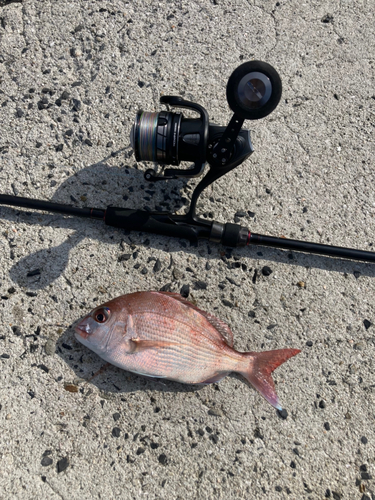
{"points": [[167, 138]]}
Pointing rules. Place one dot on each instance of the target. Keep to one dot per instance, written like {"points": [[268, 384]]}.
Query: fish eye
{"points": [[102, 314]]}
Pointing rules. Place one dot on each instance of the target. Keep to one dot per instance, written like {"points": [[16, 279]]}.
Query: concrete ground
{"points": [[72, 76]]}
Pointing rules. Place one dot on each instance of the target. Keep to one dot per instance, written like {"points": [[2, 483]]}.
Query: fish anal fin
{"points": [[214, 378]]}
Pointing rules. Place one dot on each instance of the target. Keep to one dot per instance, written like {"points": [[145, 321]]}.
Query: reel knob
{"points": [[254, 90]]}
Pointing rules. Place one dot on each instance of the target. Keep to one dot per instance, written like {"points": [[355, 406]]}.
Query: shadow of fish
{"points": [[160, 334]]}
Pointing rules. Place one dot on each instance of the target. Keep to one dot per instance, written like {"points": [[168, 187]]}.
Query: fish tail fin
{"points": [[259, 371]]}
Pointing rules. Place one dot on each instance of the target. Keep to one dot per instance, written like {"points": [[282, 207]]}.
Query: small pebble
{"points": [[116, 416], [46, 461], [215, 412], [42, 105], [77, 105], [309, 343], [50, 347], [266, 271], [283, 414], [34, 272], [116, 431], [185, 290], [124, 257], [163, 459], [328, 18], [71, 387], [322, 404], [177, 274], [5, 356], [366, 476], [157, 266], [359, 346], [166, 288], [271, 327], [200, 285], [140, 451], [364, 440], [327, 426], [367, 324], [232, 281], [227, 303], [62, 464]]}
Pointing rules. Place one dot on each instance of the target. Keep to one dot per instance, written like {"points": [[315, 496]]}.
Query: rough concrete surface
{"points": [[72, 76]]}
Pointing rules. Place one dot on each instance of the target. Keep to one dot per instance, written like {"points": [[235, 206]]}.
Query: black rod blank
{"points": [[174, 225], [48, 206], [308, 247]]}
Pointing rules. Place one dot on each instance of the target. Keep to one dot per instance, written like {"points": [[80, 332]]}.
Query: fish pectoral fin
{"points": [[139, 345]]}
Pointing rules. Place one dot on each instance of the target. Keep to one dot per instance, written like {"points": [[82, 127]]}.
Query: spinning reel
{"points": [[167, 138]]}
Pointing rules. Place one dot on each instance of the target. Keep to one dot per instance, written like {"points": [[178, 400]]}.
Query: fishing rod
{"points": [[167, 138]]}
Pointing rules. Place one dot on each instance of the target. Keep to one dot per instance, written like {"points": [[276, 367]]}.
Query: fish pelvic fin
{"points": [[260, 368]]}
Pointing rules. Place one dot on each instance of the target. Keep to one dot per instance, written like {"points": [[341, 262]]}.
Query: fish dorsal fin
{"points": [[219, 325]]}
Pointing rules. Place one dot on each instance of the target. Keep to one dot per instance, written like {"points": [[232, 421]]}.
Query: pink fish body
{"points": [[162, 335]]}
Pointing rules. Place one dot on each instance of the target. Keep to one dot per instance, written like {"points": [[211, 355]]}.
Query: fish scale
{"points": [[180, 360], [162, 335]]}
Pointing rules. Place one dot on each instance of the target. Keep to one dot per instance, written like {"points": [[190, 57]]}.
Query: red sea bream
{"points": [[162, 335]]}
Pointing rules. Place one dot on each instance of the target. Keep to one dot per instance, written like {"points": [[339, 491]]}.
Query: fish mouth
{"points": [[83, 329]]}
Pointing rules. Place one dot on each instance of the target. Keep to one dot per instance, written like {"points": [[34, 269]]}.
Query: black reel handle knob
{"points": [[254, 90]]}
